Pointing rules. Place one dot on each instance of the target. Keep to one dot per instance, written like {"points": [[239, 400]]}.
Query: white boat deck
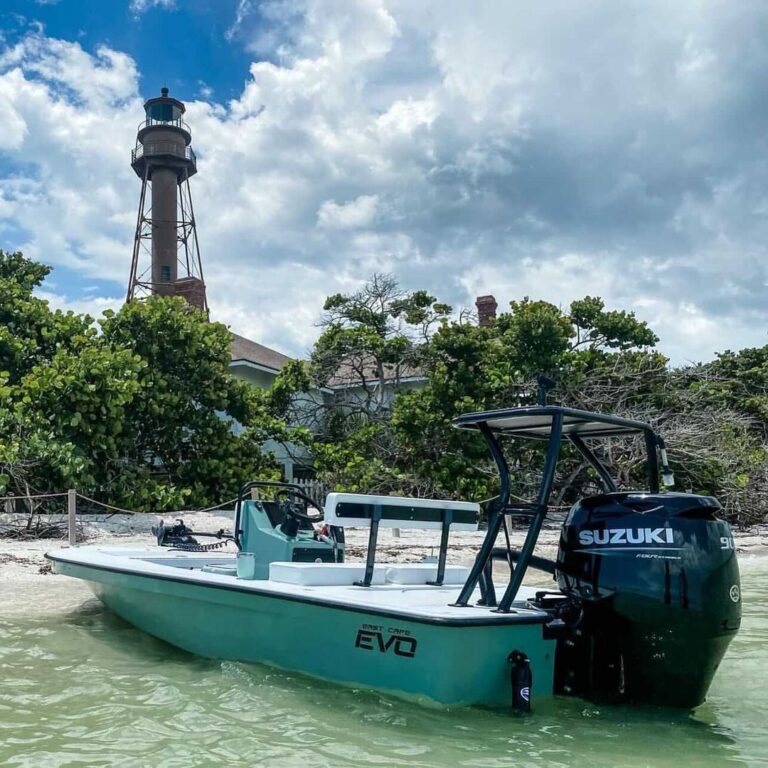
{"points": [[417, 601]]}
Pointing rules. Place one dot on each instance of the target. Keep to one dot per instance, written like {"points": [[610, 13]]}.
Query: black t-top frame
{"points": [[553, 424]]}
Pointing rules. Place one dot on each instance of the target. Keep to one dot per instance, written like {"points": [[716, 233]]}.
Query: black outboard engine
{"points": [[656, 597]]}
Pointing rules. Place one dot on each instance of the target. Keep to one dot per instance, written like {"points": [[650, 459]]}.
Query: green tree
{"points": [[406, 443], [473, 368], [62, 394], [373, 343], [741, 380], [191, 429], [713, 416], [372, 339], [140, 411], [724, 426], [30, 332]]}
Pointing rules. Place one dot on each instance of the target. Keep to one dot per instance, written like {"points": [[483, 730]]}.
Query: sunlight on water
{"points": [[85, 689]]}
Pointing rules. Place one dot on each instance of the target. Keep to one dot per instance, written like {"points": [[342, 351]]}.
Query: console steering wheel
{"points": [[290, 507]]}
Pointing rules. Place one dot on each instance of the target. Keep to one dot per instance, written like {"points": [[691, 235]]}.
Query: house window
{"points": [[165, 274]]}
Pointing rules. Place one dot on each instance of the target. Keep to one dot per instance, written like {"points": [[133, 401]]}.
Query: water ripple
{"points": [[86, 689]]}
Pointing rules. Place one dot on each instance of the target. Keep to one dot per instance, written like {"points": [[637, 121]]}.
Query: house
{"points": [[259, 365], [255, 363], [355, 385]]}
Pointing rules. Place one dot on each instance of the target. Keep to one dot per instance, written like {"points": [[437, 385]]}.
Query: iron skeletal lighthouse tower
{"points": [[166, 256]]}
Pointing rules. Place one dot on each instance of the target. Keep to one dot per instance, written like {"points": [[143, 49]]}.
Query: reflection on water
{"points": [[85, 689]]}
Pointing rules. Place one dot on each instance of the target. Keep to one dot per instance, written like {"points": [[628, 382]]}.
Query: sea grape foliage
{"points": [[137, 409]]}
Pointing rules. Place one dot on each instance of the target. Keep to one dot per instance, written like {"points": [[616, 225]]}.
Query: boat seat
{"points": [[322, 574], [358, 510], [424, 573], [373, 512]]}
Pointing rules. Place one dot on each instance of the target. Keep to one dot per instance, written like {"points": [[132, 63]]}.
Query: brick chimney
{"points": [[486, 309]]}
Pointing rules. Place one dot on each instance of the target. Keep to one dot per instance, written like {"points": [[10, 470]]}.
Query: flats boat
{"points": [[645, 602]]}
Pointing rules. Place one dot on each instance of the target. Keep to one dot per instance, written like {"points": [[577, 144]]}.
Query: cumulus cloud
{"points": [[359, 212], [553, 151], [70, 118], [93, 306]]}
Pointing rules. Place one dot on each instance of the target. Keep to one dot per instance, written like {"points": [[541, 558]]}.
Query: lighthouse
{"points": [[166, 256]]}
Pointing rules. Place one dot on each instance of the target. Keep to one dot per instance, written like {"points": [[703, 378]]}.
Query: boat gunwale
{"points": [[499, 619]]}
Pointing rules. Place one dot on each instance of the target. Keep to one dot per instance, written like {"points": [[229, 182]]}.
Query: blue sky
{"points": [[551, 150], [182, 47]]}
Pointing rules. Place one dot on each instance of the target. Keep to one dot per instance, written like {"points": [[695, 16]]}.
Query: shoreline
{"points": [[31, 588]]}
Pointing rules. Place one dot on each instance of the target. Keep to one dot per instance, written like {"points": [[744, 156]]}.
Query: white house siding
{"points": [[290, 455], [307, 410]]}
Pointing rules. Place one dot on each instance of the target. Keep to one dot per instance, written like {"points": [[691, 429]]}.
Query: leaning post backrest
{"points": [[355, 510]]}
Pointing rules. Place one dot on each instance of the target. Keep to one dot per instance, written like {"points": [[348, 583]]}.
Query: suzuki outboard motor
{"points": [[656, 597]]}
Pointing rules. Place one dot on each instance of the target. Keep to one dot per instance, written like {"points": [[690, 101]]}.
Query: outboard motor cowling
{"points": [[657, 583]]}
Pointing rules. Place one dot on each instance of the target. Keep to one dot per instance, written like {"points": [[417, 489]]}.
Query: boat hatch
{"points": [[341, 574]]}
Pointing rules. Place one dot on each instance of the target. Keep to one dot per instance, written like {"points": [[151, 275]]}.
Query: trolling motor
{"points": [[182, 538]]}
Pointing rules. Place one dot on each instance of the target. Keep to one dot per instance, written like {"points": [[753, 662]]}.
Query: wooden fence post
{"points": [[72, 516]]}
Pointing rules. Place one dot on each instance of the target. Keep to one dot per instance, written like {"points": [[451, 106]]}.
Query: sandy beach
{"points": [[26, 574]]}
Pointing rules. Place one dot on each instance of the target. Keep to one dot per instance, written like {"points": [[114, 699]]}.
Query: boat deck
{"points": [[419, 602]]}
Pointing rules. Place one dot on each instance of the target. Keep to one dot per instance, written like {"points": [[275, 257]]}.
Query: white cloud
{"points": [[244, 8], [470, 148], [356, 213], [74, 117], [13, 127], [98, 80], [138, 7], [406, 115], [93, 306]]}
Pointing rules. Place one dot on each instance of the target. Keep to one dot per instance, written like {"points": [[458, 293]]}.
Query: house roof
{"points": [[349, 373], [245, 350]]}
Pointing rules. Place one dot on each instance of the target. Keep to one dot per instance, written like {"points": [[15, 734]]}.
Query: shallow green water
{"points": [[84, 689]]}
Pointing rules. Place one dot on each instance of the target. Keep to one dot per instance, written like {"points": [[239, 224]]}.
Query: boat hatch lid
{"points": [[536, 422]]}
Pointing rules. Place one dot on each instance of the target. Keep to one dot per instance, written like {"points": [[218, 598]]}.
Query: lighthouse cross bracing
{"points": [[166, 254], [188, 263]]}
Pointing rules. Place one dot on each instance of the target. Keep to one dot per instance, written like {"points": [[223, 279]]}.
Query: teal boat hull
{"points": [[449, 662]]}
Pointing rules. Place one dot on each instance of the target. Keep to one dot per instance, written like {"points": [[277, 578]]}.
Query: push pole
{"points": [[72, 516]]}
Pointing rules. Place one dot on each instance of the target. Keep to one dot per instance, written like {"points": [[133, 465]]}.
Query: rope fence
{"points": [[13, 505], [218, 506], [32, 505], [115, 510], [30, 497]]}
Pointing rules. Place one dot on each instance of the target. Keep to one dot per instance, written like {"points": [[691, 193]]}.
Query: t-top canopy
{"points": [[536, 422]]}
